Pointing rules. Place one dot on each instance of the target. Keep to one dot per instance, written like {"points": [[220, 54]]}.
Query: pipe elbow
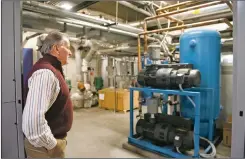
{"points": [[86, 43]]}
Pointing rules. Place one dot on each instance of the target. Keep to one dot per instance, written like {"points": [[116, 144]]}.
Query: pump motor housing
{"points": [[166, 130], [169, 76]]}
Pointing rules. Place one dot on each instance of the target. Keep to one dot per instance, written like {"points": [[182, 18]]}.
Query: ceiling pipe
{"points": [[212, 10], [229, 5], [82, 23], [186, 26], [120, 49], [186, 3], [221, 14], [72, 39], [53, 10], [129, 5], [216, 15], [184, 10]]}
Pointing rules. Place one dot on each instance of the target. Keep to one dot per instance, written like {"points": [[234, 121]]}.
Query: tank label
{"points": [[197, 11]]}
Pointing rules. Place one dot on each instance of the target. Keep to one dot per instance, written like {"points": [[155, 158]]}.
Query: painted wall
{"points": [[31, 44]]}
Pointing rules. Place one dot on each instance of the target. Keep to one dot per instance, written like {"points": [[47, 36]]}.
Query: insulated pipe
{"points": [[210, 22], [178, 5], [119, 49], [217, 15], [78, 64], [173, 19], [145, 39], [229, 5], [81, 23], [139, 55], [87, 58], [212, 10], [185, 10], [129, 5], [52, 10]]}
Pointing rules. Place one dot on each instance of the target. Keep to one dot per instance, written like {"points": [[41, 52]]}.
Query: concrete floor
{"points": [[98, 133]]}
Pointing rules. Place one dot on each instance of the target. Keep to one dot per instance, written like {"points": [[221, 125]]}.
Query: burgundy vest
{"points": [[60, 114]]}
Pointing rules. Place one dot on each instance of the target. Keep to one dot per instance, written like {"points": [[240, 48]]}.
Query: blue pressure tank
{"points": [[202, 48]]}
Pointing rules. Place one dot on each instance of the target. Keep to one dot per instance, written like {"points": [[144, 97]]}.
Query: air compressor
{"points": [[198, 72]]}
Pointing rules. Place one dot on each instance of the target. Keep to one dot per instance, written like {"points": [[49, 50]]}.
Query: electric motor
{"points": [[161, 132], [169, 76]]}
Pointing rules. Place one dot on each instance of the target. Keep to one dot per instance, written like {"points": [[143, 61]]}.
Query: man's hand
{"points": [[59, 150]]}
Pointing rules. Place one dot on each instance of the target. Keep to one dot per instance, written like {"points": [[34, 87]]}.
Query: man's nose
{"points": [[69, 54]]}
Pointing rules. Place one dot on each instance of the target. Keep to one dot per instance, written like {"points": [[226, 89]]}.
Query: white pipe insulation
{"points": [[81, 23], [129, 5], [78, 64], [82, 64], [53, 10], [184, 15], [87, 58]]}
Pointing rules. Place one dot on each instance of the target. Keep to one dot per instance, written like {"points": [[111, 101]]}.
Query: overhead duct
{"points": [[82, 23], [78, 23], [52, 10], [193, 25], [132, 50], [78, 63], [85, 61], [129, 5], [184, 15], [38, 23]]}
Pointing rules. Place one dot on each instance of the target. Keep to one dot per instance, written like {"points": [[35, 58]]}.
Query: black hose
{"points": [[32, 36]]}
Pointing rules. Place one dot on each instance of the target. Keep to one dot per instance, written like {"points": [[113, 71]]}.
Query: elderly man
{"points": [[48, 113]]}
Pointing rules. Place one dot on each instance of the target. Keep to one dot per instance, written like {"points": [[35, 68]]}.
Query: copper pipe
{"points": [[184, 10], [145, 38], [229, 5], [173, 19], [186, 26], [178, 5], [228, 23], [139, 55]]}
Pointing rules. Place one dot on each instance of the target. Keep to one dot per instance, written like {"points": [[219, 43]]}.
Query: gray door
{"points": [[12, 136]]}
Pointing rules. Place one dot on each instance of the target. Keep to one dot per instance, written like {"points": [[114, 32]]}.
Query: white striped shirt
{"points": [[43, 91]]}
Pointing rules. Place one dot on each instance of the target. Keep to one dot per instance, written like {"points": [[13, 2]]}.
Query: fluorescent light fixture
{"points": [[66, 6]]}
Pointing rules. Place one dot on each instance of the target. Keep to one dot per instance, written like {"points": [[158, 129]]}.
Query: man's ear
{"points": [[54, 50]]}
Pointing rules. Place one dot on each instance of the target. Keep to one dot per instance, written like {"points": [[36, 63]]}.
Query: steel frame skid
{"points": [[168, 151]]}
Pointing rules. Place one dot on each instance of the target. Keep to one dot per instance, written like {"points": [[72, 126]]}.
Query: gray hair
{"points": [[51, 39]]}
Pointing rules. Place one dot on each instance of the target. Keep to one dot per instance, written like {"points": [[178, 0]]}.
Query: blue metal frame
{"points": [[211, 121], [166, 150]]}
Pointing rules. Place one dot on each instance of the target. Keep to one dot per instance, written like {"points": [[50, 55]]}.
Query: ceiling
{"points": [[105, 8], [125, 13]]}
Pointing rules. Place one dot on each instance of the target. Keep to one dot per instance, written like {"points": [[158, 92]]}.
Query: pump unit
{"points": [[169, 76], [196, 80]]}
